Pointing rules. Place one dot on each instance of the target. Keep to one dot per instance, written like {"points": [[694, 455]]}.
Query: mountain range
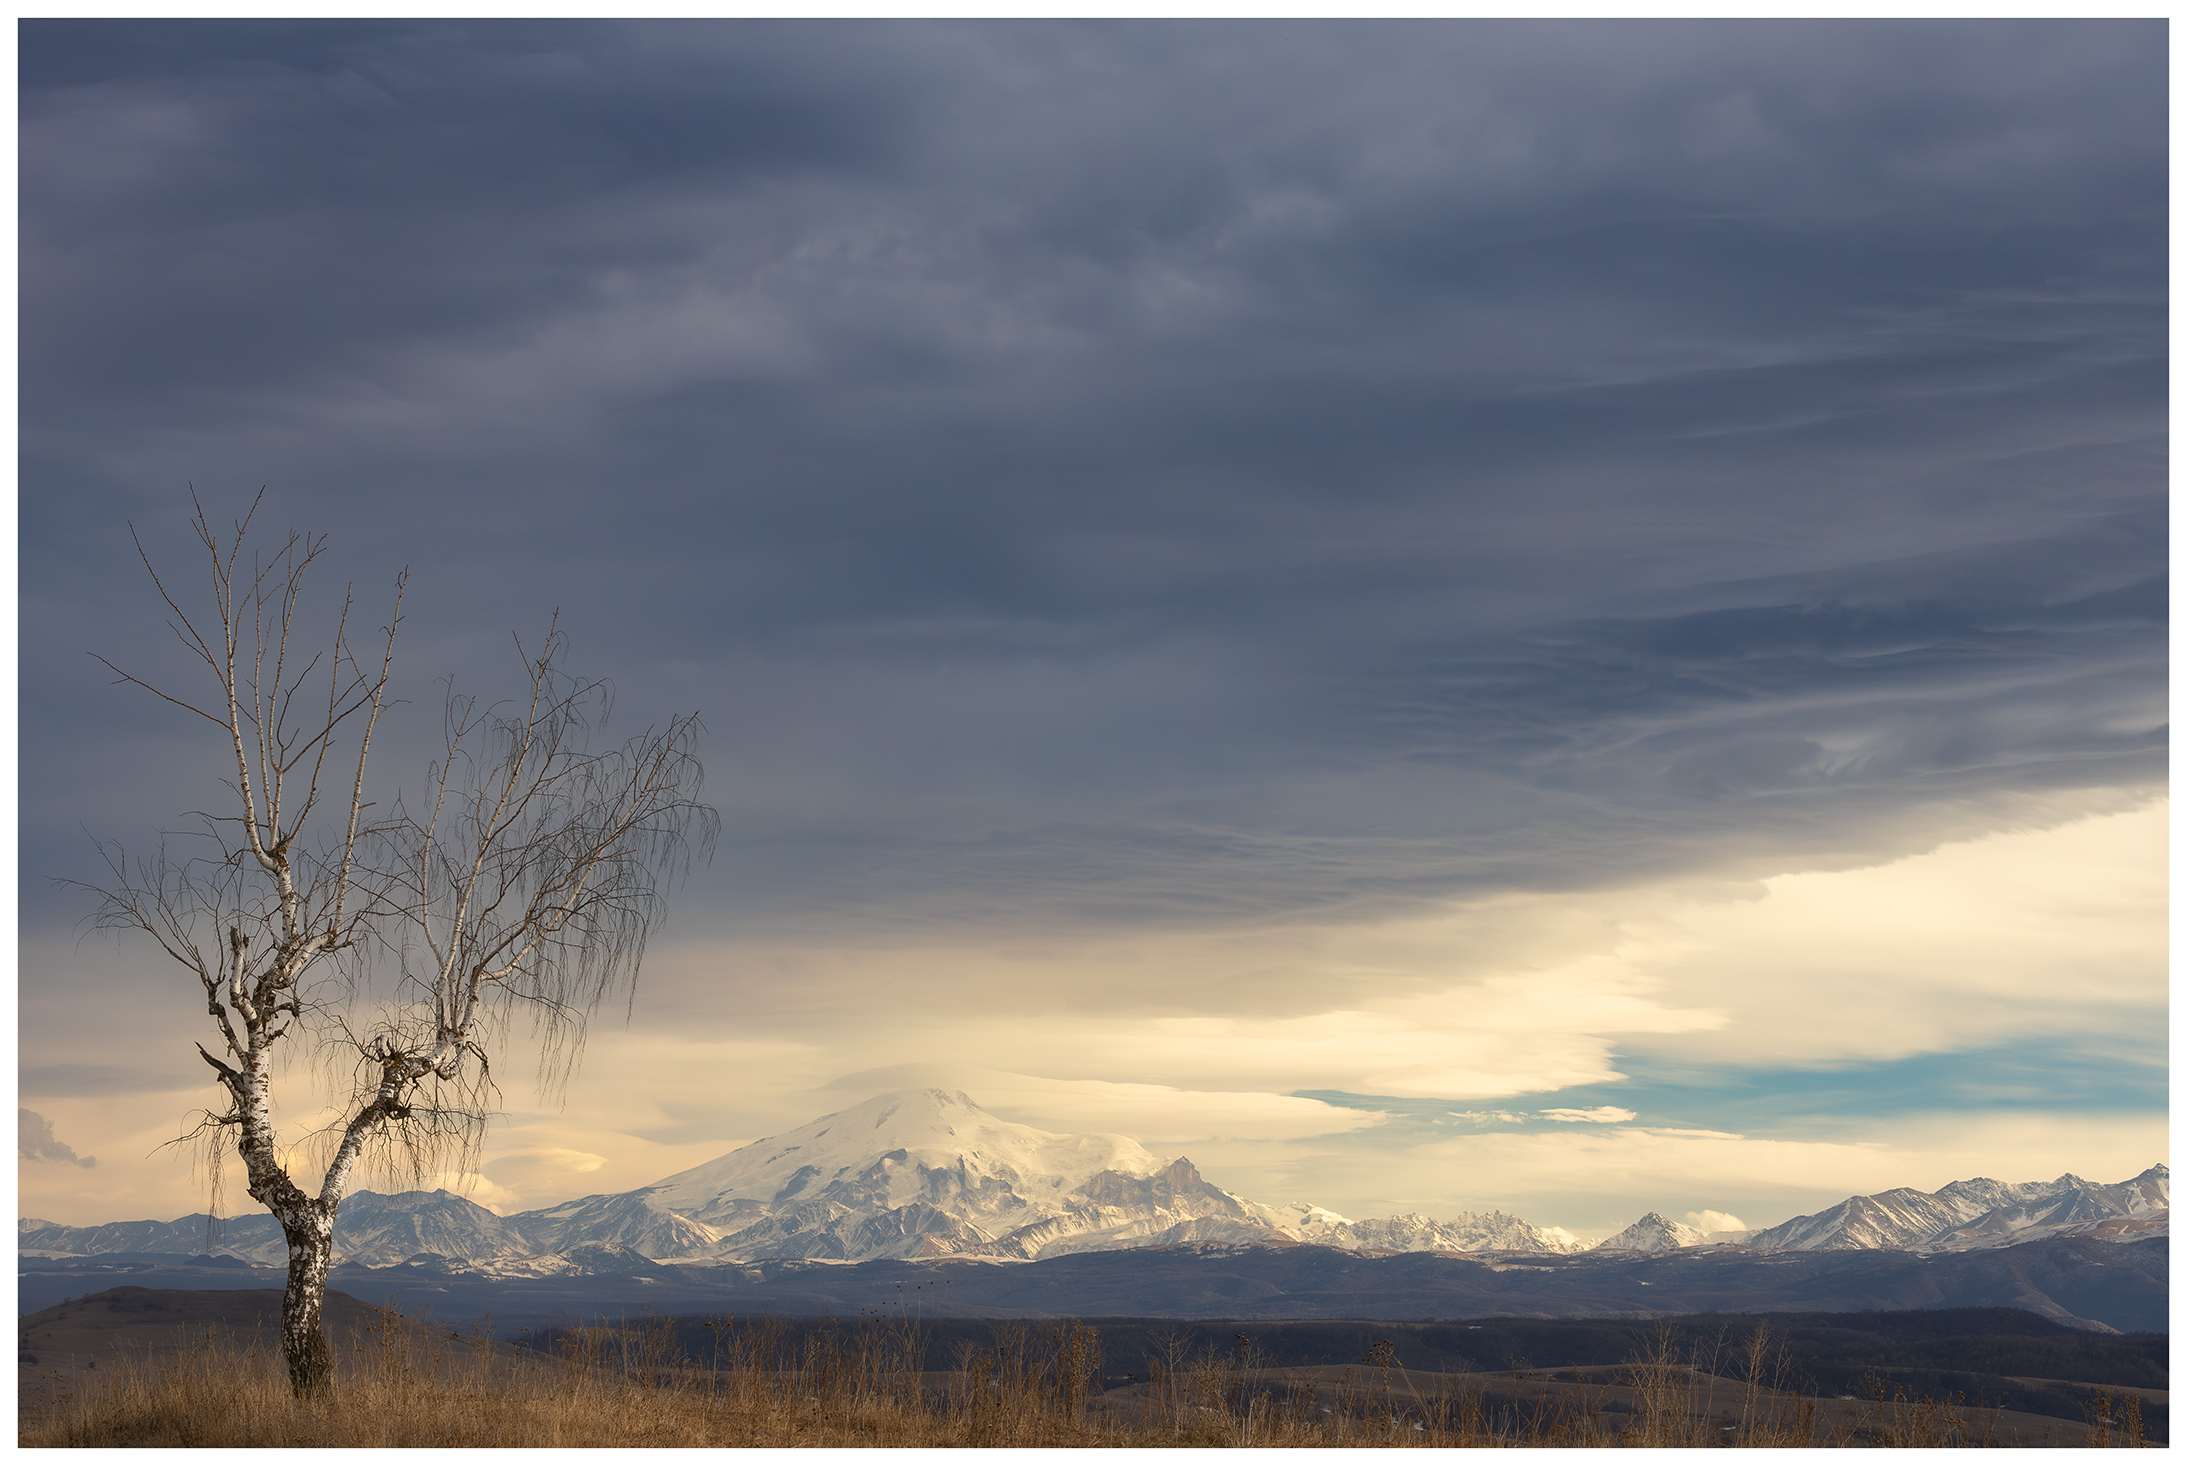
{"points": [[1984, 1213], [928, 1174]]}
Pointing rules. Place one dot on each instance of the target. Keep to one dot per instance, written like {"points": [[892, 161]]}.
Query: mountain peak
{"points": [[890, 1149], [913, 1111], [1654, 1232]]}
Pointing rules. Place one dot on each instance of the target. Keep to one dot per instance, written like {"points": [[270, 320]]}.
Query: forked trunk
{"points": [[303, 1332]]}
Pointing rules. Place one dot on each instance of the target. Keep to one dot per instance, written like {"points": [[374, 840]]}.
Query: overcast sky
{"points": [[1562, 616]]}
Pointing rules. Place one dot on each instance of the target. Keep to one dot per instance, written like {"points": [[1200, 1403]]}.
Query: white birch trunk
{"points": [[303, 1332]]}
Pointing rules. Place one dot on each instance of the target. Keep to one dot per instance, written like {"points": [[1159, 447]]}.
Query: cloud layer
{"points": [[1080, 483], [1446, 561]]}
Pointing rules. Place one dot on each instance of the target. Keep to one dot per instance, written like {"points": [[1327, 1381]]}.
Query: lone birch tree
{"points": [[394, 940]]}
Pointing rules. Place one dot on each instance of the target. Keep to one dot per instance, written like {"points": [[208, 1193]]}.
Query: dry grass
{"points": [[1039, 1385]]}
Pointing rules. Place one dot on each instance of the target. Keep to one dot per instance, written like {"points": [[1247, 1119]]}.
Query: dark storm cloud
{"points": [[1150, 471]]}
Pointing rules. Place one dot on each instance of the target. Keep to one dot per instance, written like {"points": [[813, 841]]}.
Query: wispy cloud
{"points": [[1715, 1221], [35, 1141]]}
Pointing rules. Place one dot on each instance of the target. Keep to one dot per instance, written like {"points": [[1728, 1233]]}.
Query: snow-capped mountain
{"points": [[1964, 1215], [371, 1229], [928, 1173], [629, 1219], [1654, 1232], [1411, 1232], [925, 1173], [916, 1173], [1982, 1213]]}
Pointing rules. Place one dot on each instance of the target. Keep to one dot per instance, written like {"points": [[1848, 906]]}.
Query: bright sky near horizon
{"points": [[1558, 616]]}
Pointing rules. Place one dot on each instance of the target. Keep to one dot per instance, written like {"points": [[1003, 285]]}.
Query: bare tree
{"points": [[525, 878]]}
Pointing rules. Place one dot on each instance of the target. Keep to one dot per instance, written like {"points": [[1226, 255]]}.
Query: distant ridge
{"points": [[929, 1174], [1983, 1213]]}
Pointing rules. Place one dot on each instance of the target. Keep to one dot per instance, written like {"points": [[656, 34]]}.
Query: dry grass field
{"points": [[403, 1383]]}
